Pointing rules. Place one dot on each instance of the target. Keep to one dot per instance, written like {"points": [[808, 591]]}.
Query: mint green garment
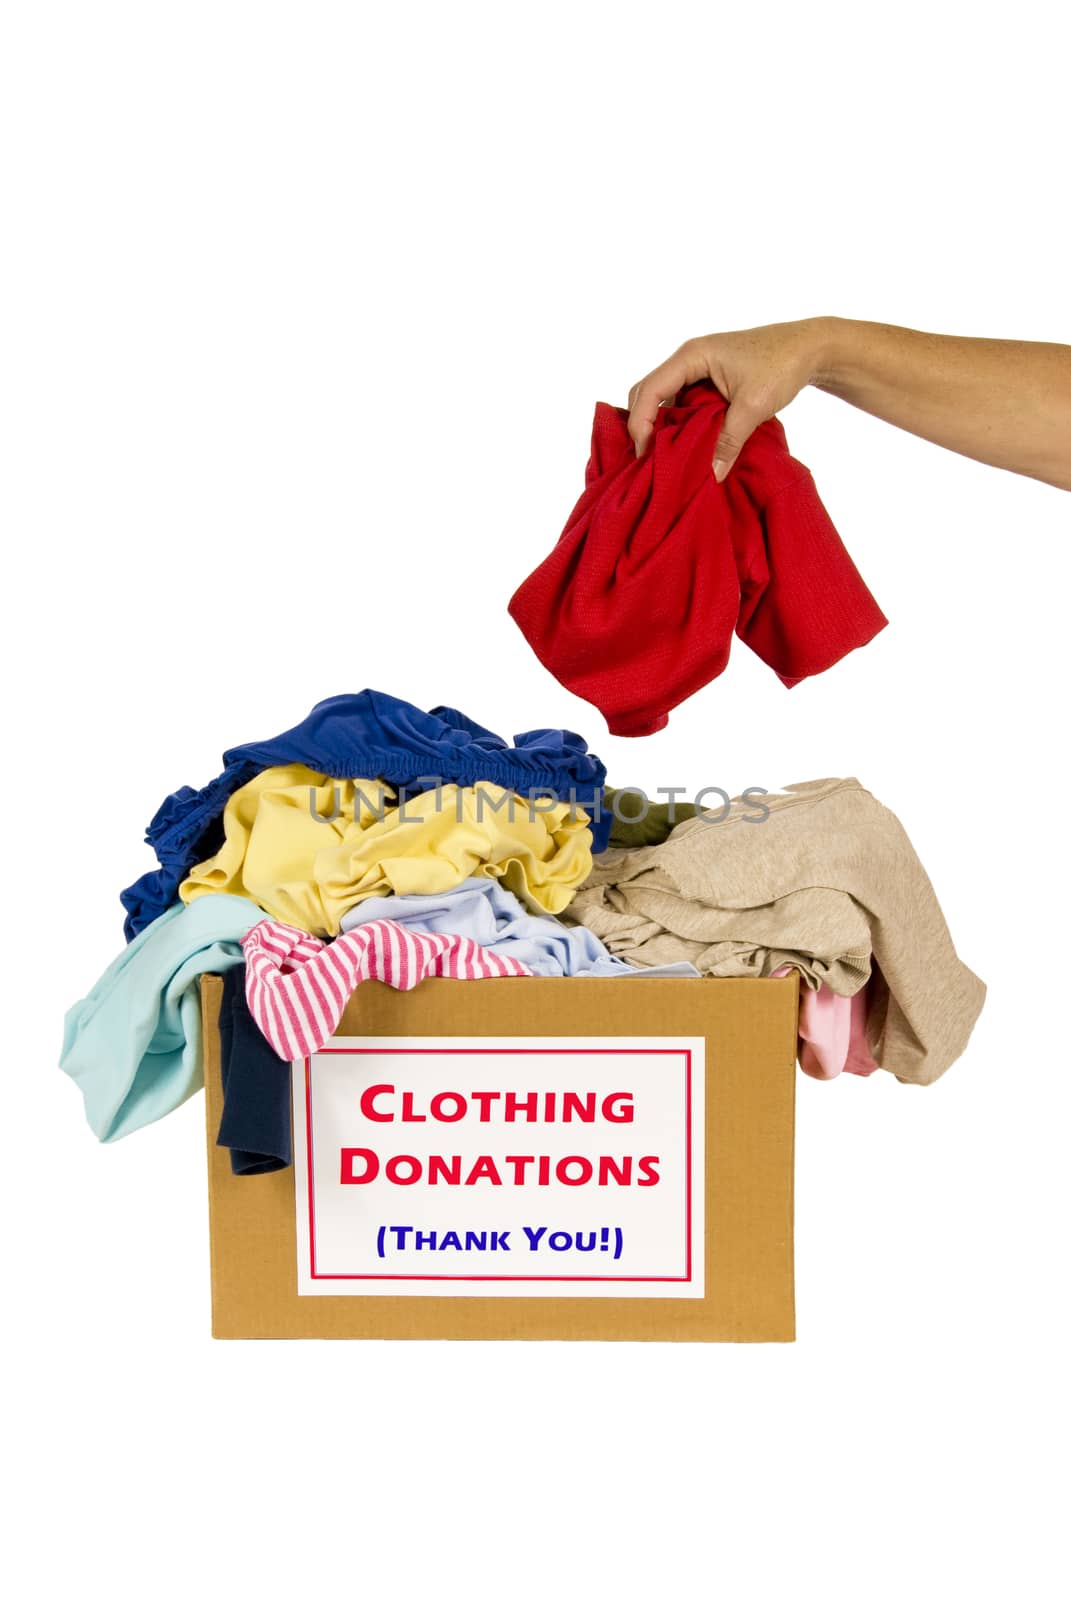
{"points": [[133, 1045]]}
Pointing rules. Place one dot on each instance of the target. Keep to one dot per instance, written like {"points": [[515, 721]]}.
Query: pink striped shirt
{"points": [[297, 986]]}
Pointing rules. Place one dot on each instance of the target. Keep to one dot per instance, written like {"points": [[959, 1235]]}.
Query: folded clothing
{"points": [[828, 883], [133, 1045], [255, 1124], [297, 987], [308, 848], [481, 909], [346, 737], [635, 607]]}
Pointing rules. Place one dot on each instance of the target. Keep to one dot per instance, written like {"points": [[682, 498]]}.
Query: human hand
{"points": [[758, 370]]}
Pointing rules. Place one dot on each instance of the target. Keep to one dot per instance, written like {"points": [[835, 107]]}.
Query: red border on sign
{"points": [[520, 1277]]}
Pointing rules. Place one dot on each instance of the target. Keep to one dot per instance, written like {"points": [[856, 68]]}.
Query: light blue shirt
{"points": [[483, 910], [133, 1045]]}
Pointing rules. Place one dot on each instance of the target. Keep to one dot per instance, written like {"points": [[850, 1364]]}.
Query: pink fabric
{"points": [[860, 1061], [832, 1032], [824, 1029], [297, 986]]}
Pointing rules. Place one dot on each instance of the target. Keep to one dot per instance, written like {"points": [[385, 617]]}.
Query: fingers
{"points": [[741, 420], [684, 366]]}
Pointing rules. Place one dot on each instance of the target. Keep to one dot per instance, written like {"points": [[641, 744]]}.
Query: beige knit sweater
{"points": [[829, 883]]}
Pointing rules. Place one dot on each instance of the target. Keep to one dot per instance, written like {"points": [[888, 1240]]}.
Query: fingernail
{"points": [[721, 471]]}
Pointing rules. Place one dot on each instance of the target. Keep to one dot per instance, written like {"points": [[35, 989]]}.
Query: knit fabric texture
{"points": [[635, 607], [828, 883]]}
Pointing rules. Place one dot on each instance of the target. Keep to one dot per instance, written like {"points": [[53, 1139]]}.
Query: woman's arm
{"points": [[1006, 402]]}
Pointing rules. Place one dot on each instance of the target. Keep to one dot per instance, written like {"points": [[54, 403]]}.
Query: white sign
{"points": [[516, 1166]]}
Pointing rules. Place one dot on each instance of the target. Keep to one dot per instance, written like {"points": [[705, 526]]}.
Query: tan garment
{"points": [[828, 883]]}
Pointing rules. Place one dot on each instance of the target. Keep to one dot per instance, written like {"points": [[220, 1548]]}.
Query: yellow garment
{"points": [[272, 837], [311, 873]]}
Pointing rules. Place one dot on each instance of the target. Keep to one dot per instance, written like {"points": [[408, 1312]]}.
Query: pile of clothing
{"points": [[378, 841]]}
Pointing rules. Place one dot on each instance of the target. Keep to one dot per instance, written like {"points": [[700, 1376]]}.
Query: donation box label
{"points": [[541, 1166]]}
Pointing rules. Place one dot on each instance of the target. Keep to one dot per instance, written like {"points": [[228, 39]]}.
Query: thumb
{"points": [[739, 424]]}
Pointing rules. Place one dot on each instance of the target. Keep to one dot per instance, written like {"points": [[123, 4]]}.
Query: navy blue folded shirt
{"points": [[255, 1125], [366, 735]]}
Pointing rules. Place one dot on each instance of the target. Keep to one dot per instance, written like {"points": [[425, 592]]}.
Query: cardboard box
{"points": [[694, 1245]]}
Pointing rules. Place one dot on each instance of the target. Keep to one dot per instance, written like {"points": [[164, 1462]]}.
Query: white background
{"points": [[305, 310]]}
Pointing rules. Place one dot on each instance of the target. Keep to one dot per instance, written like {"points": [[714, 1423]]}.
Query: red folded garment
{"points": [[635, 607]]}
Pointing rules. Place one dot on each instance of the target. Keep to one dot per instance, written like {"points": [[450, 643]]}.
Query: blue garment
{"points": [[255, 1125], [483, 910], [366, 735], [133, 1045]]}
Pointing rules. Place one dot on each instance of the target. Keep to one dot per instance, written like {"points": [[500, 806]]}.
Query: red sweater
{"points": [[635, 607]]}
